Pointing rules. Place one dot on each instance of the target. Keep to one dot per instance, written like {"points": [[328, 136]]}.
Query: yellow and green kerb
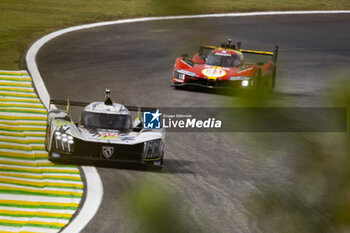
{"points": [[35, 194]]}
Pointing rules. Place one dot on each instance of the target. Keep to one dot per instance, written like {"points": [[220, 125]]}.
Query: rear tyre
{"points": [[258, 81], [273, 78]]}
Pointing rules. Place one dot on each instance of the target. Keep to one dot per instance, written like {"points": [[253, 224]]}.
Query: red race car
{"points": [[225, 67]]}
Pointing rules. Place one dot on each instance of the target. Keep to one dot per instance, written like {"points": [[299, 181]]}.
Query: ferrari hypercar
{"points": [[225, 66], [105, 132]]}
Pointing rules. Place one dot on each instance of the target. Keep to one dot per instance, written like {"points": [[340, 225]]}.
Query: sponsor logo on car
{"points": [[223, 54], [108, 135], [152, 120], [186, 72], [239, 78]]}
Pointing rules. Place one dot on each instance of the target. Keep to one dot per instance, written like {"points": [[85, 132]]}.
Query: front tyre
{"points": [[47, 137], [50, 156], [159, 166], [177, 87]]}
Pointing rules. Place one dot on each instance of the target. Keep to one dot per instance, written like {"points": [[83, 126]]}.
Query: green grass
{"points": [[24, 21]]}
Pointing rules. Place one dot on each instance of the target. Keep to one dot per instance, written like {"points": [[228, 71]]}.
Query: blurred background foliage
{"points": [[153, 206], [316, 196]]}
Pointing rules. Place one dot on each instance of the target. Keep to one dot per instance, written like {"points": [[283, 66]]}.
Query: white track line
{"points": [[87, 212], [93, 180]]}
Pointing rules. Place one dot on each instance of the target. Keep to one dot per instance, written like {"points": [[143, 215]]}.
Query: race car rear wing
{"points": [[204, 49], [84, 104], [273, 54]]}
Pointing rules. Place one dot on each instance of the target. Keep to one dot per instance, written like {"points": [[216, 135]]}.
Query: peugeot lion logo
{"points": [[107, 151]]}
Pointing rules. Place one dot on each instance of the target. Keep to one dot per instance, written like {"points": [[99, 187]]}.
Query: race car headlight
{"points": [[245, 83], [64, 142], [180, 74], [152, 148]]}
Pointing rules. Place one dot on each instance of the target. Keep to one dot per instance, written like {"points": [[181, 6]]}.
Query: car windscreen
{"points": [[106, 121], [228, 60]]}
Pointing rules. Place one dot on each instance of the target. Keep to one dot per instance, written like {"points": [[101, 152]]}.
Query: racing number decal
{"points": [[213, 73]]}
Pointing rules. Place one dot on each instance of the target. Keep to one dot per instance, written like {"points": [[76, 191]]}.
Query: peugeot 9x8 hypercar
{"points": [[105, 132]]}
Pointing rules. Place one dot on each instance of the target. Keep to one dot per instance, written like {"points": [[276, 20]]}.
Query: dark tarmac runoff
{"points": [[213, 173]]}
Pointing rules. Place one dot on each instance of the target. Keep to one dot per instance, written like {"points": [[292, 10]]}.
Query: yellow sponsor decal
{"points": [[62, 122]]}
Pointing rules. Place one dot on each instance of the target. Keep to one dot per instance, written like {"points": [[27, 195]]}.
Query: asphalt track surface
{"points": [[213, 173]]}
